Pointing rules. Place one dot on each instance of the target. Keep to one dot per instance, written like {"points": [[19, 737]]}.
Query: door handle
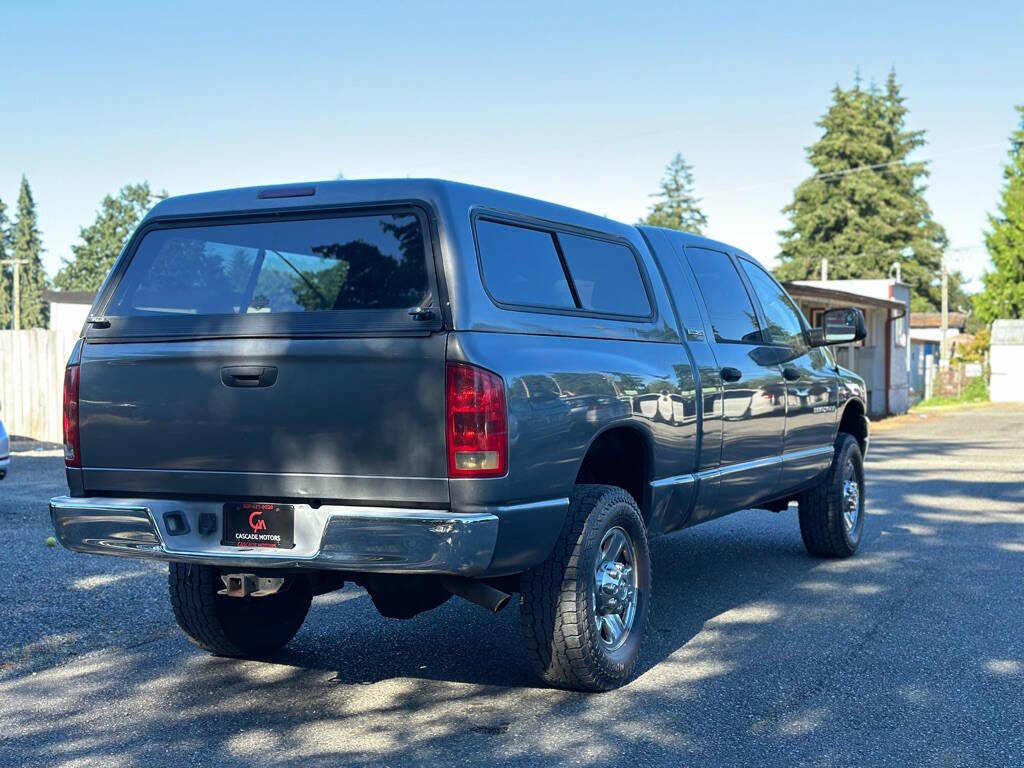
{"points": [[248, 375], [731, 374], [789, 373]]}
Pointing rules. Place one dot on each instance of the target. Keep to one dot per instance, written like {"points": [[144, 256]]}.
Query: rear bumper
{"points": [[367, 539]]}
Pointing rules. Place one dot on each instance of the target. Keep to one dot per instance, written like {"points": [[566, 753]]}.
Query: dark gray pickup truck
{"points": [[428, 389]]}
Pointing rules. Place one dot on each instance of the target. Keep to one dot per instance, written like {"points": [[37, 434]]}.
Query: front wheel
{"points": [[832, 512], [584, 611]]}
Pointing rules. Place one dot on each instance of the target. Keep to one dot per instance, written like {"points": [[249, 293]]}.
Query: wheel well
{"points": [[853, 423], [620, 457]]}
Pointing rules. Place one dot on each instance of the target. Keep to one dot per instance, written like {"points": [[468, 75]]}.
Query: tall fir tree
{"points": [[5, 271], [1003, 296], [676, 206], [27, 247], [103, 240], [864, 207]]}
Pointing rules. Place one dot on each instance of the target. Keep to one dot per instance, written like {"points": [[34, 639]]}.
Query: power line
{"points": [[692, 126], [847, 171]]}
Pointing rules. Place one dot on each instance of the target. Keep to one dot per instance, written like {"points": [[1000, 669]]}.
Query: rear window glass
{"points": [[313, 265], [606, 276], [521, 266]]}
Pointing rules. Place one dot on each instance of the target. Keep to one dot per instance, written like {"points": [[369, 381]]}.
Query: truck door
{"points": [[811, 385], [753, 411]]}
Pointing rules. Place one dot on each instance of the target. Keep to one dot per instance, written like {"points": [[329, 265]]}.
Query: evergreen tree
{"points": [[103, 240], [864, 207], [1003, 296], [5, 272], [676, 207], [27, 246]]}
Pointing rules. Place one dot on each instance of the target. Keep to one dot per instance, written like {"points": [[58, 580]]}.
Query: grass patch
{"points": [[976, 391]]}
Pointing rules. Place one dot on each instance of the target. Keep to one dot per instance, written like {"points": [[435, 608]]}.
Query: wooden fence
{"points": [[32, 381]]}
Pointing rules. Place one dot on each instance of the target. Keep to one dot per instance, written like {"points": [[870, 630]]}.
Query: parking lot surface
{"points": [[911, 653]]}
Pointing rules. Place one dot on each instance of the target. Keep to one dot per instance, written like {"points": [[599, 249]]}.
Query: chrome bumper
{"points": [[378, 539]]}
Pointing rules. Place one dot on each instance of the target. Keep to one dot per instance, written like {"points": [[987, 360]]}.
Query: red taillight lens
{"points": [[477, 426], [72, 447]]}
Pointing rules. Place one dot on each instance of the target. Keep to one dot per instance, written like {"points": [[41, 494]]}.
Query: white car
{"points": [[5, 451]]}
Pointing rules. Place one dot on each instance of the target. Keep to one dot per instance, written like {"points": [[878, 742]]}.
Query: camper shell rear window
{"points": [[337, 272]]}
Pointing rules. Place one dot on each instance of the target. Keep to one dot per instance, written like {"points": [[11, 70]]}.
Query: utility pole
{"points": [[943, 345], [15, 291]]}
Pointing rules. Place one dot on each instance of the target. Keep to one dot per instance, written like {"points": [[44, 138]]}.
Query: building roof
{"points": [[832, 297], [1006, 332], [934, 320], [69, 297]]}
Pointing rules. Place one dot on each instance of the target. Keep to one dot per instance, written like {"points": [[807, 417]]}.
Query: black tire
{"points": [[566, 639], [824, 525], [242, 627]]}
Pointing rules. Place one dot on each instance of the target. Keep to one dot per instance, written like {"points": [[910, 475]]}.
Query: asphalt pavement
{"points": [[910, 653]]}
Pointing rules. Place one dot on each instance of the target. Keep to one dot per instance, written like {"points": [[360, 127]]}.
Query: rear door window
{"points": [[606, 276], [367, 262], [521, 266], [732, 313]]}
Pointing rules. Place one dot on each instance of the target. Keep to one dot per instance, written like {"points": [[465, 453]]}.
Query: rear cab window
{"points": [[732, 313], [317, 274], [536, 268]]}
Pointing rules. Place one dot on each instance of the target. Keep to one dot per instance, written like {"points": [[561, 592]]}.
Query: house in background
{"points": [[1006, 361], [925, 341], [68, 309], [883, 357]]}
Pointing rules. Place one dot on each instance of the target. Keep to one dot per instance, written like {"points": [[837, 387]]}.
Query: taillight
{"points": [[72, 446], [477, 427]]}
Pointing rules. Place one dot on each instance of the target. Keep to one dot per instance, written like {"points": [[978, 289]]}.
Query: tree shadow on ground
{"points": [[757, 654]]}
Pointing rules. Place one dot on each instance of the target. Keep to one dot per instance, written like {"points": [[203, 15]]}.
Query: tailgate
{"points": [[269, 359]]}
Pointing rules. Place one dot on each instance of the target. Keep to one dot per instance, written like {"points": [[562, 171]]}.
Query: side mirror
{"points": [[839, 326]]}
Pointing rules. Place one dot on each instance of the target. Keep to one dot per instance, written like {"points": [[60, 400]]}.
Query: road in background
{"points": [[911, 653]]}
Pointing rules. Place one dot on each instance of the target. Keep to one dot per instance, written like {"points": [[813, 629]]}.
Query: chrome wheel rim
{"points": [[851, 498], [615, 588]]}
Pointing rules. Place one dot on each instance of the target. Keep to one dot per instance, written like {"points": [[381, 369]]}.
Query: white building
{"points": [[882, 358], [1006, 361], [68, 309]]}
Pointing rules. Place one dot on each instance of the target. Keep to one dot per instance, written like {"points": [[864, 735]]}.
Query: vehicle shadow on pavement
{"points": [[756, 651]]}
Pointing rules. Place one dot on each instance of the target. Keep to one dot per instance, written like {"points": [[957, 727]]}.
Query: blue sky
{"points": [[579, 103]]}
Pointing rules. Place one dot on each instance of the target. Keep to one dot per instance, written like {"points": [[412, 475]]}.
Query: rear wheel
{"points": [[832, 512], [235, 626], [584, 611]]}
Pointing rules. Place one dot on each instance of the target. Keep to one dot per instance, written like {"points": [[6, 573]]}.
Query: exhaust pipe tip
{"points": [[501, 602], [477, 592]]}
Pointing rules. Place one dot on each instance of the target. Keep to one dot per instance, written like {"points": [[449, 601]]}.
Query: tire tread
{"points": [[558, 644], [819, 507], [194, 601]]}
